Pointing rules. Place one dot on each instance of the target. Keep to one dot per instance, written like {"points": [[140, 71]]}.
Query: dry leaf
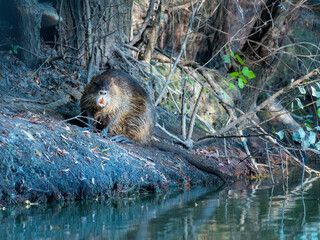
{"points": [[95, 148], [39, 154], [66, 170], [29, 135], [101, 164]]}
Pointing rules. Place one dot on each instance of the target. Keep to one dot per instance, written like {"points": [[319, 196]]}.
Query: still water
{"points": [[242, 211]]}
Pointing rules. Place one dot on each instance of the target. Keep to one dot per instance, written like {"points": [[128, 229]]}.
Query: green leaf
{"points": [[309, 128], [248, 73], [312, 138], [231, 86], [318, 102], [302, 90], [314, 91], [317, 145], [302, 133], [232, 54], [273, 130], [306, 144], [245, 70], [226, 59], [188, 78], [251, 75], [239, 59], [206, 90], [296, 137], [280, 134], [318, 112], [309, 120], [243, 78], [317, 94], [299, 103], [15, 49], [234, 74], [10, 51], [240, 83], [318, 128]]}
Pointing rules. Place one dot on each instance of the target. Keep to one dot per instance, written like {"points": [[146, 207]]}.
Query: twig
{"points": [[78, 117], [282, 172], [270, 170], [189, 141], [204, 139], [144, 24], [184, 111], [29, 100], [120, 52], [246, 148], [169, 134], [302, 177], [131, 47], [266, 102], [194, 9]]}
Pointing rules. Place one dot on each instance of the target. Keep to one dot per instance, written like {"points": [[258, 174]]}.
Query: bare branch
{"points": [[266, 102], [194, 10], [144, 24]]}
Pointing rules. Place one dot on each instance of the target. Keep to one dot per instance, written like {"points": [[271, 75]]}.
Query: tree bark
{"points": [[261, 46], [29, 24], [110, 23]]}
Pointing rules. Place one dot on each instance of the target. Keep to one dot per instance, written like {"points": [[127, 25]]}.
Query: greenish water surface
{"points": [[241, 211]]}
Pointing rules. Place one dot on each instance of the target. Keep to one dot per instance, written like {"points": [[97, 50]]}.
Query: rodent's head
{"points": [[100, 91]]}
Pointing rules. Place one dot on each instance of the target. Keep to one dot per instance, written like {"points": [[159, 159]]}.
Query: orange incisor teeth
{"points": [[101, 101]]}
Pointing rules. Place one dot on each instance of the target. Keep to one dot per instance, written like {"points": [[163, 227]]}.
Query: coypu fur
{"points": [[118, 102]]}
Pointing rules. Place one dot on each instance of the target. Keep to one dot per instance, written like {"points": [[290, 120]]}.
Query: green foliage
{"points": [[241, 75], [240, 83], [307, 136], [226, 59], [14, 49], [189, 80], [280, 134], [307, 139], [231, 86]]}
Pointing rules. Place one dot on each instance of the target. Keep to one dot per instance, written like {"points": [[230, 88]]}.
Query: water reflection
{"points": [[255, 211]]}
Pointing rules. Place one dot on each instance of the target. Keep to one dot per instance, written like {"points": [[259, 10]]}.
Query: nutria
{"points": [[119, 103]]}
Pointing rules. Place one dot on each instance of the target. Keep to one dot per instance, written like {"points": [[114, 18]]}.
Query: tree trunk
{"points": [[261, 46], [29, 24], [105, 23], [85, 26]]}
